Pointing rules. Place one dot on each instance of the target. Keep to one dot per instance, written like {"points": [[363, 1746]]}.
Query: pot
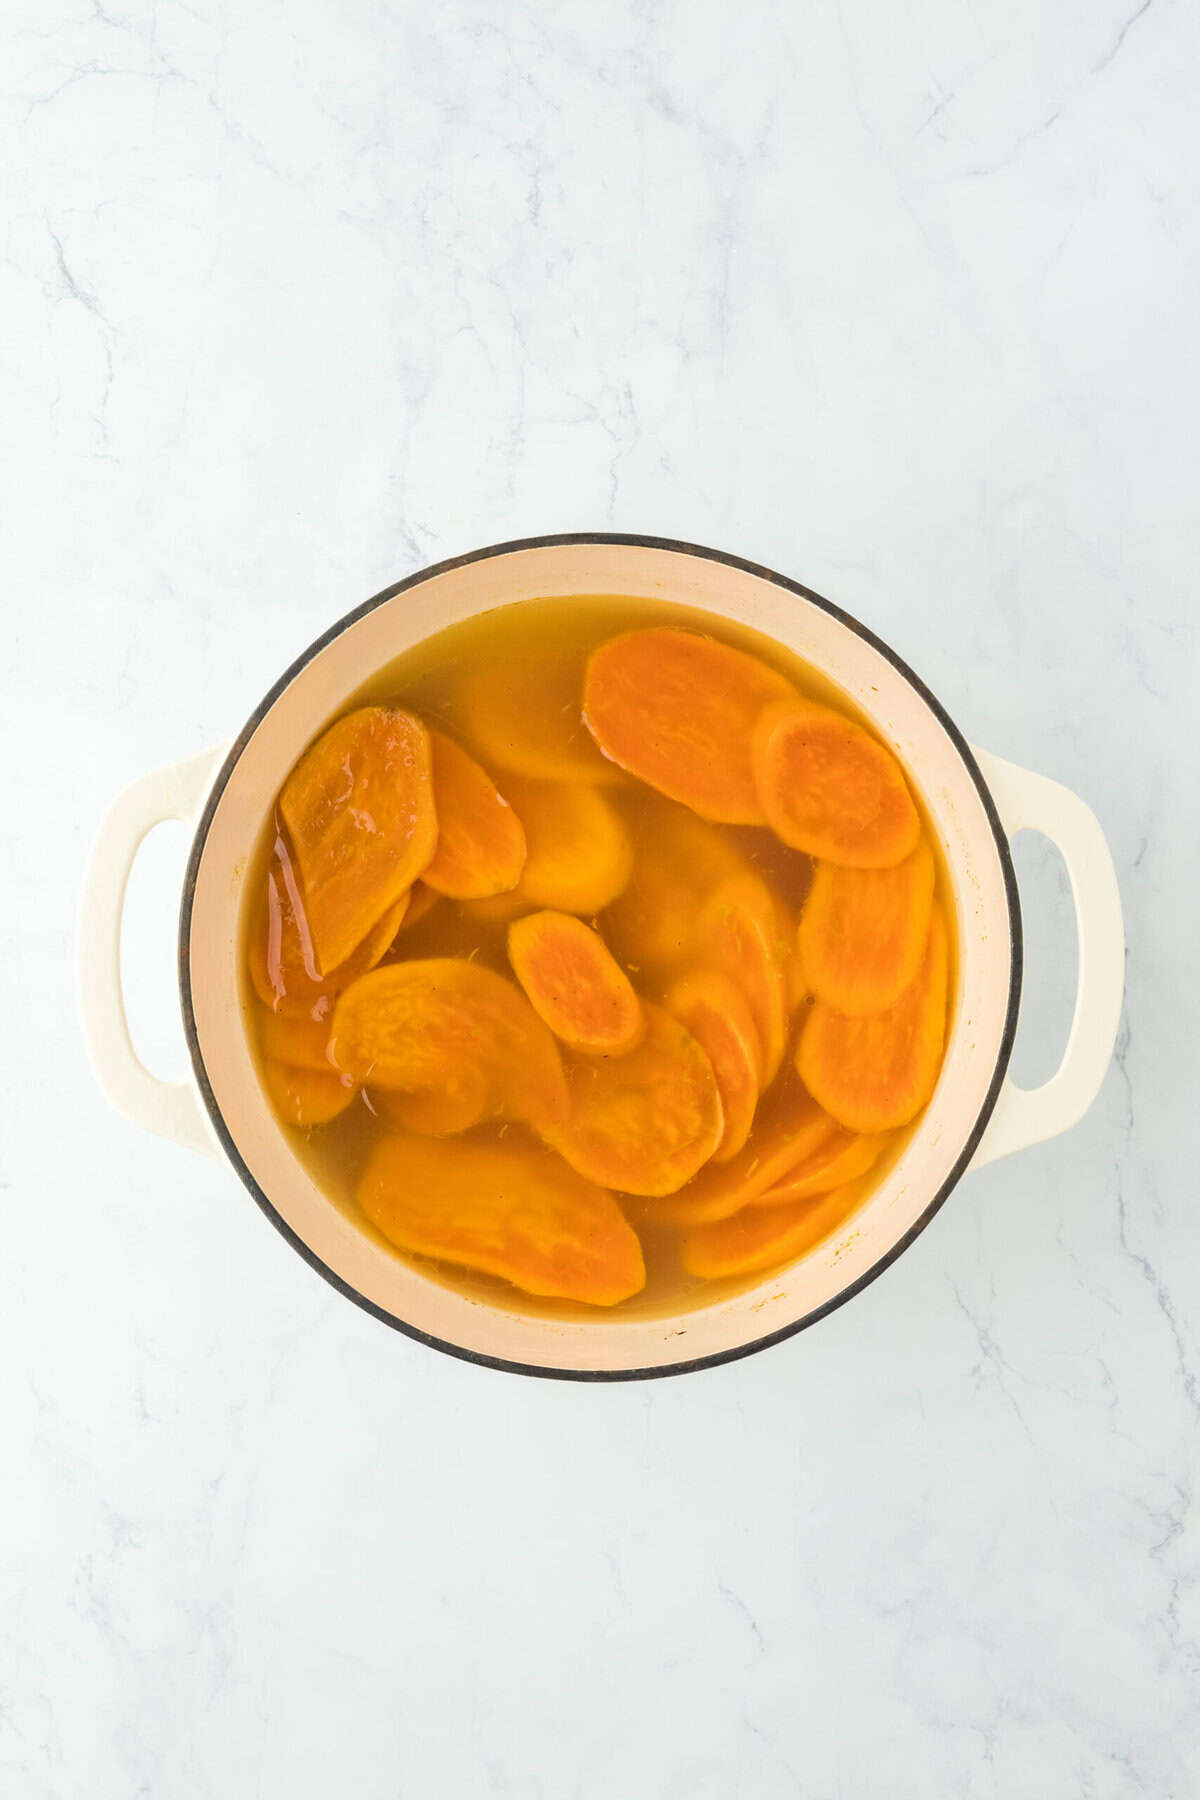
{"points": [[974, 801]]}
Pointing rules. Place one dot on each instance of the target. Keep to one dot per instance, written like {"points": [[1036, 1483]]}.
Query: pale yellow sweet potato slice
{"points": [[840, 1159], [876, 1072], [306, 1097], [574, 984], [481, 842], [578, 851], [762, 1238], [829, 788], [863, 932], [743, 932], [524, 714], [360, 814], [643, 1123], [789, 1127], [718, 1016], [417, 1026], [678, 710], [517, 1212]]}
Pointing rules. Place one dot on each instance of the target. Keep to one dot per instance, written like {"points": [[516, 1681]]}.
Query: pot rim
{"points": [[1004, 1050]]}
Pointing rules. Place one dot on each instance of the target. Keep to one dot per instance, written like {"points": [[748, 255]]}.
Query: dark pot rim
{"points": [[634, 540]]}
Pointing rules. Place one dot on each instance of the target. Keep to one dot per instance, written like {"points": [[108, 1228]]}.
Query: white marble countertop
{"points": [[899, 300]]}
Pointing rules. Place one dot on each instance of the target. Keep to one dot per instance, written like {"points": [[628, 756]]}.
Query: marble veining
{"points": [[901, 301]]}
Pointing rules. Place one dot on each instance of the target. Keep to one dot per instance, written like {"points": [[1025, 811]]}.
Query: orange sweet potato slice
{"points": [[421, 901], [743, 932], [678, 861], [465, 1099], [301, 1042], [359, 809], [578, 852], [419, 1025], [718, 1016], [574, 984], [281, 960], [500, 909], [643, 1123], [789, 1129], [863, 931], [787, 872], [761, 1238], [516, 1212], [481, 843], [830, 788], [524, 714], [677, 710], [842, 1158], [306, 1097], [876, 1072], [796, 981]]}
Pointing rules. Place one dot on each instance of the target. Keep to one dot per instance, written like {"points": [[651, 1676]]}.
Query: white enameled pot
{"points": [[974, 801]]}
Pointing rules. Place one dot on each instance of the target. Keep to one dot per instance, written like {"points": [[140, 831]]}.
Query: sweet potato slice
{"points": [[359, 809], [480, 843], [743, 932], [417, 1026], [863, 931], [796, 981], [678, 861], [876, 1072], [789, 1128], [281, 960], [303, 1043], [643, 1123], [578, 852], [828, 787], [421, 902], [787, 872], [677, 710], [500, 909], [517, 1212], [840, 1159], [464, 1100], [718, 1016], [763, 1237], [574, 984], [306, 1097], [524, 714]]}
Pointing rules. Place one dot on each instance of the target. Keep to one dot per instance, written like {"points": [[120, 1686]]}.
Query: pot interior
{"points": [[971, 848]]}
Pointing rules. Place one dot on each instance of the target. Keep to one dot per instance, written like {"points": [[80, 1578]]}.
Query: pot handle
{"points": [[171, 1109], [1025, 1116]]}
